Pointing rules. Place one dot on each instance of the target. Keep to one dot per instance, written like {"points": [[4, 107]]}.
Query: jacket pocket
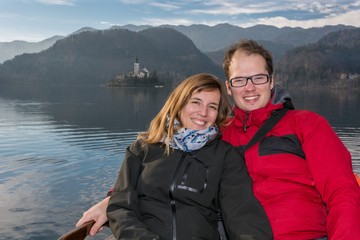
{"points": [[194, 177]]}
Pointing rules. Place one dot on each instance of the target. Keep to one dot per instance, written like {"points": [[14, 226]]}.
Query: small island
{"points": [[137, 78]]}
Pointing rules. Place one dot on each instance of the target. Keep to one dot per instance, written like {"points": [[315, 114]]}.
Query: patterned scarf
{"points": [[188, 140]]}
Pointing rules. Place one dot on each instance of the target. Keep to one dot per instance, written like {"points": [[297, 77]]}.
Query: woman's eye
{"points": [[214, 107]]}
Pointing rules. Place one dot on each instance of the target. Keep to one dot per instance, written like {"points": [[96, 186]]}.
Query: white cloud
{"points": [[327, 7], [109, 24], [349, 18], [356, 4], [57, 2], [9, 36], [165, 6], [235, 8], [162, 21], [15, 23], [134, 2]]}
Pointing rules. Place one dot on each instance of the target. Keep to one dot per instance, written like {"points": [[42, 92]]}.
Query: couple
{"points": [[301, 172]]}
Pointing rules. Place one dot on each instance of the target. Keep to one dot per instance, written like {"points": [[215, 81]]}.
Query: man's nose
{"points": [[249, 86]]}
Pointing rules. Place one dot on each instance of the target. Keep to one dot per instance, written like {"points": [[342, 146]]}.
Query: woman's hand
{"points": [[96, 213]]}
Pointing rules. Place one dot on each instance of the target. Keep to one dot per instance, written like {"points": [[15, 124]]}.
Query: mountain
{"points": [[8, 50], [91, 56], [209, 39], [333, 61], [131, 27], [277, 50], [84, 29], [94, 57], [213, 38]]}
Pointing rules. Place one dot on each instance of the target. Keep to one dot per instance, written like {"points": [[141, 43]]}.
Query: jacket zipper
{"points": [[245, 120], [172, 196]]}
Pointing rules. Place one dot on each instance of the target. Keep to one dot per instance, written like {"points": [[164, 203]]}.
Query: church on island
{"points": [[143, 73], [137, 78]]}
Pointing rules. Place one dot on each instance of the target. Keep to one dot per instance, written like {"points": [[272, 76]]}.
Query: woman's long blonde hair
{"points": [[179, 97]]}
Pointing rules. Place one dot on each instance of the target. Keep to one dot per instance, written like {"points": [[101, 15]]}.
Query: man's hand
{"points": [[96, 213]]}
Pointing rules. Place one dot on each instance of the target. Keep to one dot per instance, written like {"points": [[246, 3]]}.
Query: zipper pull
{"points": [[245, 120]]}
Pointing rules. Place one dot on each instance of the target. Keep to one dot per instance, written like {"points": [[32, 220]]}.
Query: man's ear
{"points": [[228, 89], [272, 84]]}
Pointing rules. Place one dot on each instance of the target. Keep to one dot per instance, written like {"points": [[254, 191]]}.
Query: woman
{"points": [[176, 176]]}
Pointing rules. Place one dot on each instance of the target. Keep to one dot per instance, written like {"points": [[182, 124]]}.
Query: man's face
{"points": [[250, 96]]}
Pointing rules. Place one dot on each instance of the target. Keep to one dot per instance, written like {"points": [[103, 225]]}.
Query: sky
{"points": [[36, 20]]}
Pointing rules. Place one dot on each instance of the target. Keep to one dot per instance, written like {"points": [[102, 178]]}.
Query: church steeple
{"points": [[136, 67]]}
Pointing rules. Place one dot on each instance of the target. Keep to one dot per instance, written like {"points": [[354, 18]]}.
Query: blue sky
{"points": [[35, 20]]}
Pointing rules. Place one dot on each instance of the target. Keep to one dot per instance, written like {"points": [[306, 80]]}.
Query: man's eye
{"points": [[259, 78], [239, 80]]}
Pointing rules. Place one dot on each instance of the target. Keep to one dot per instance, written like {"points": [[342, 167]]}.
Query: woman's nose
{"points": [[203, 111]]}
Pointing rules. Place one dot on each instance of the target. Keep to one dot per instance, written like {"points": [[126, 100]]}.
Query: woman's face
{"points": [[201, 110]]}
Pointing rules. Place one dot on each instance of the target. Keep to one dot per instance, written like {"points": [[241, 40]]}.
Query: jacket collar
{"points": [[258, 117]]}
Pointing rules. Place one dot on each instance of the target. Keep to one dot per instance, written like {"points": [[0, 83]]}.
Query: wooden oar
{"points": [[78, 233]]}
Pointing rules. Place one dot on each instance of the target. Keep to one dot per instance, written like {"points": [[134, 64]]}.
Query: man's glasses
{"points": [[257, 79]]}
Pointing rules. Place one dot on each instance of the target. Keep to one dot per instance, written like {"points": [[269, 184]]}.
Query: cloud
{"points": [[165, 6], [235, 8], [325, 8], [106, 23], [169, 21], [307, 8], [348, 18], [305, 14], [242, 13], [57, 2], [356, 4], [9, 36], [133, 2]]}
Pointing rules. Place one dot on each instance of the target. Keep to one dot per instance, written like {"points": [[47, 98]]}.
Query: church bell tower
{"points": [[136, 68]]}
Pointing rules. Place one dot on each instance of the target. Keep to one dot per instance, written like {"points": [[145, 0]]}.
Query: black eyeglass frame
{"points": [[268, 77]]}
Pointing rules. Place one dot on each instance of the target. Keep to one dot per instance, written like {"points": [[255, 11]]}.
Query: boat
{"points": [[78, 233], [81, 232]]}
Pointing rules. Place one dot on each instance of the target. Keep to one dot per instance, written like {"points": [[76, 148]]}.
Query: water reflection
{"points": [[88, 107], [339, 106], [61, 147]]}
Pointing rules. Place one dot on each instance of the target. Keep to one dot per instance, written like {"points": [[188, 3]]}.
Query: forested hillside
{"points": [[334, 61], [94, 57]]}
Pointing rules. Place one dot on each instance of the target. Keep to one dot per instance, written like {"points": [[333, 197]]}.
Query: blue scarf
{"points": [[188, 140]]}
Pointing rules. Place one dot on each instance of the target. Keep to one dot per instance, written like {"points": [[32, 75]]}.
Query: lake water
{"points": [[61, 148]]}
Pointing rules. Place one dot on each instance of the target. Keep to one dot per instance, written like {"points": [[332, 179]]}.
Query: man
{"points": [[302, 173]]}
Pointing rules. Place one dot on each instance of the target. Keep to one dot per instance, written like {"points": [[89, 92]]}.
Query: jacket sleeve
{"points": [[122, 210], [243, 215], [331, 167]]}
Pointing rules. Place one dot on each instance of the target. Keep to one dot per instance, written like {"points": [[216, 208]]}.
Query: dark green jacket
{"points": [[175, 197]]}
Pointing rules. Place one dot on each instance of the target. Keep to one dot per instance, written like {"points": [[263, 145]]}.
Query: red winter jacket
{"points": [[302, 174]]}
